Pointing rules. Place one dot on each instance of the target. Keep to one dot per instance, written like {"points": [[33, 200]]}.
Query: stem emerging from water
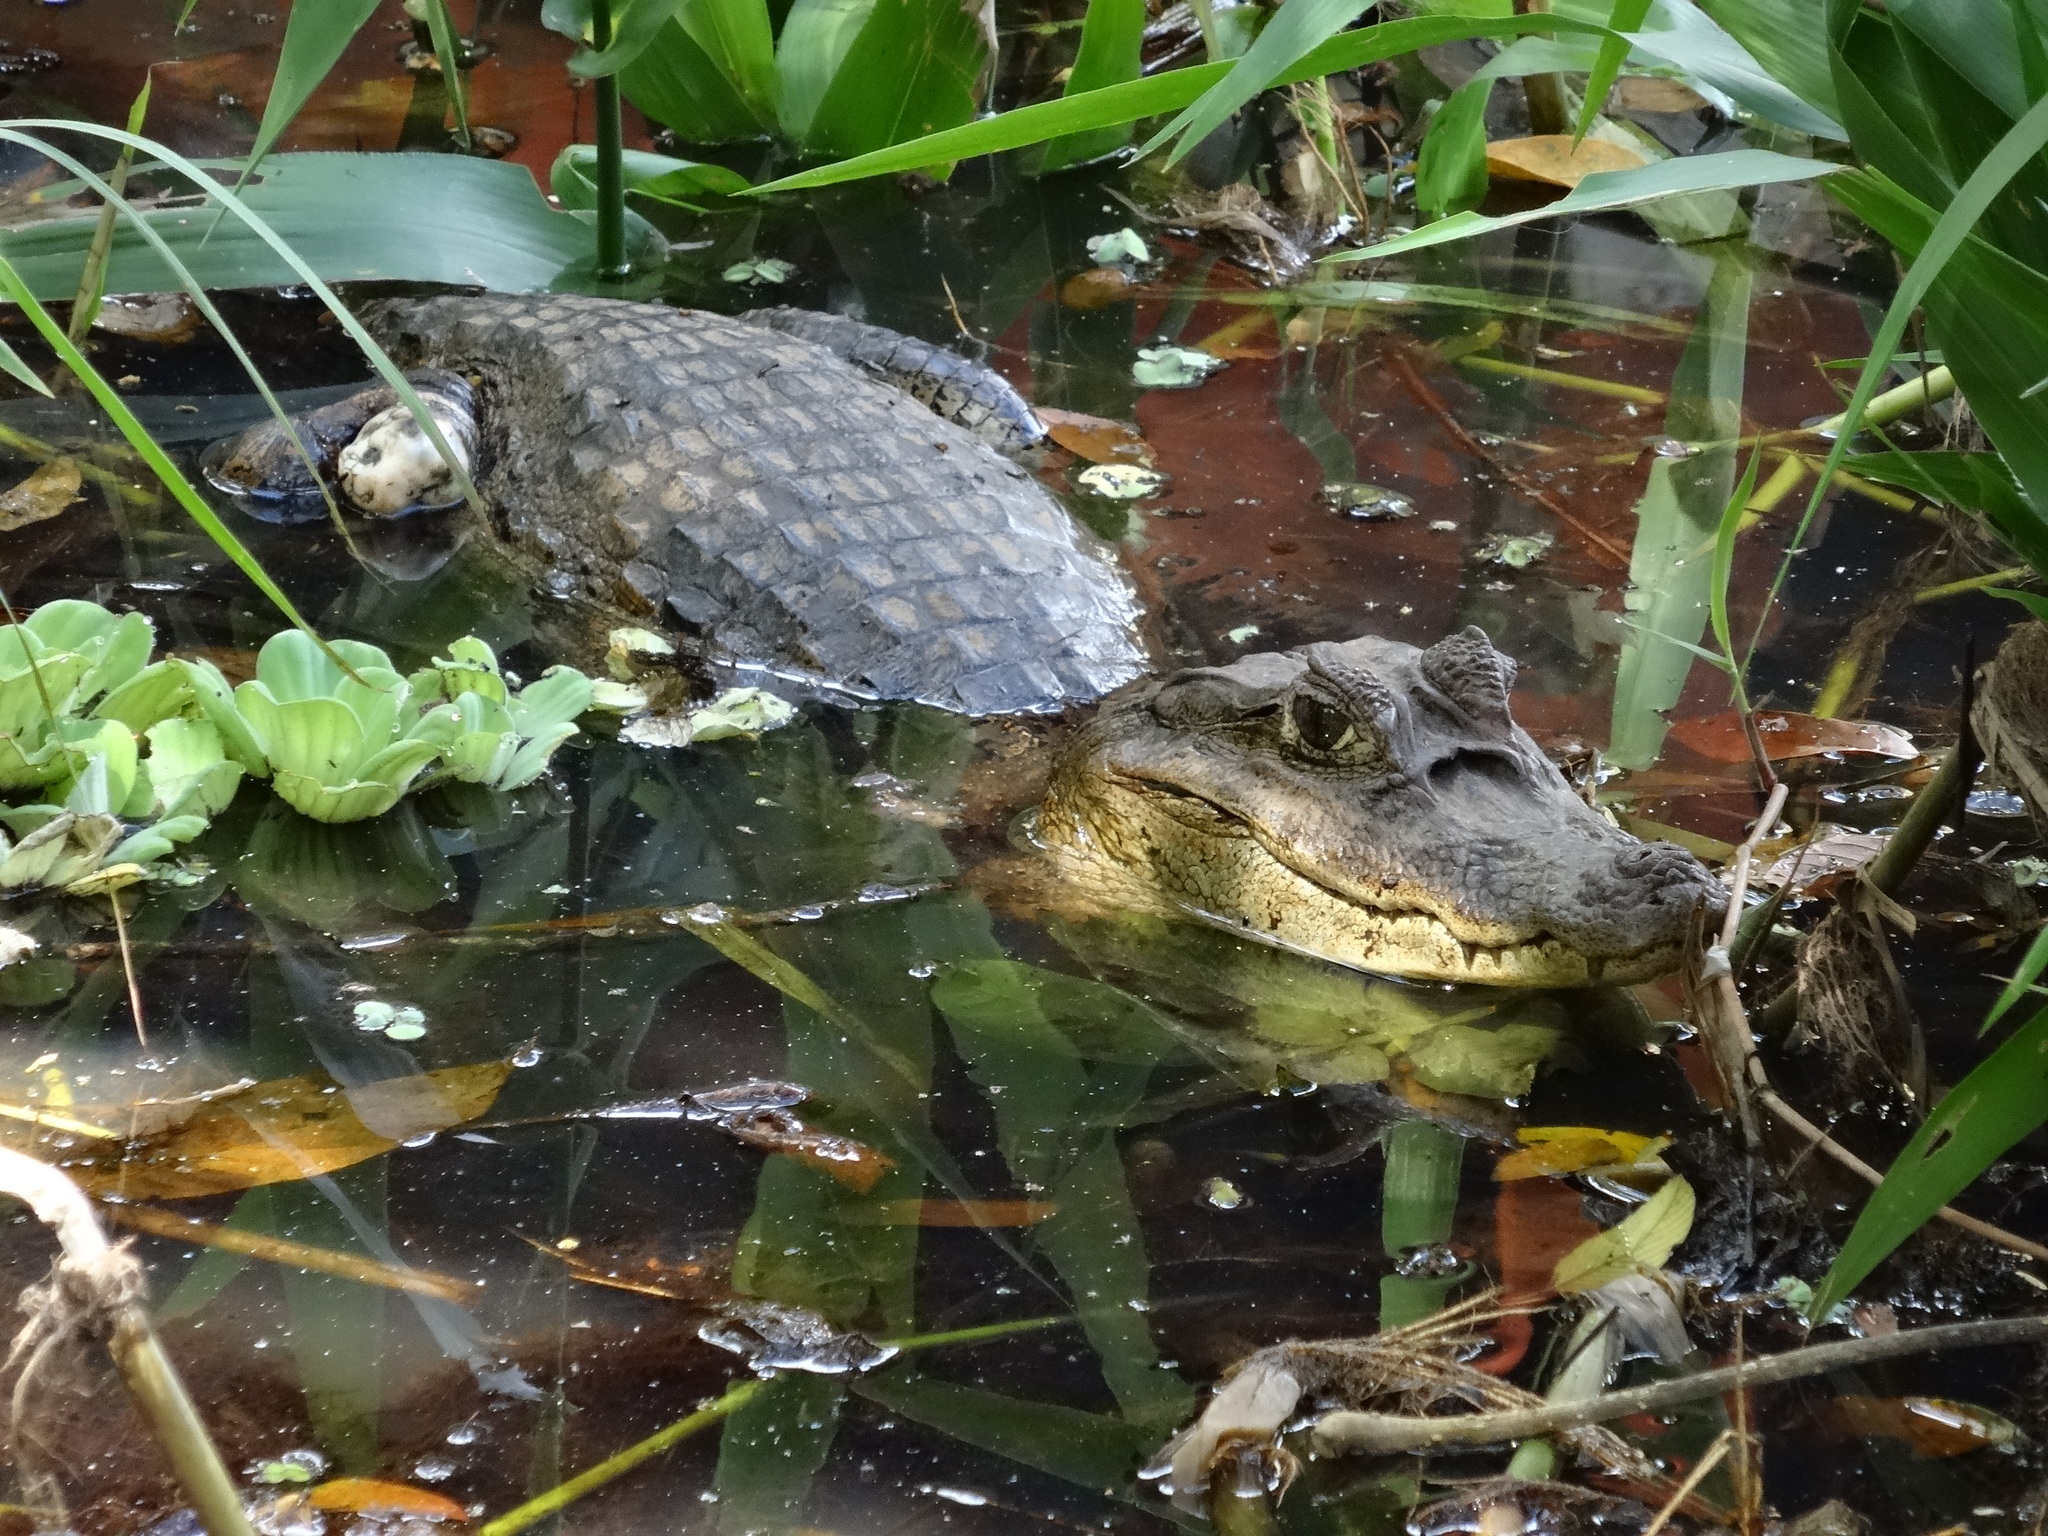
{"points": [[611, 176]]}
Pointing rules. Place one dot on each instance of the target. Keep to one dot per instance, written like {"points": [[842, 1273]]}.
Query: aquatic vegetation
{"points": [[341, 747]]}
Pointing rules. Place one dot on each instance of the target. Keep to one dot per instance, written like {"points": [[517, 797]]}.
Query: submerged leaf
{"points": [[1172, 367], [1640, 1244], [47, 491], [1786, 735], [370, 1495], [269, 1133], [1557, 158]]}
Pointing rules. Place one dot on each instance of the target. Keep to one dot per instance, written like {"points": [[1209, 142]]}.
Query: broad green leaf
{"points": [[1114, 105], [424, 218], [635, 24], [772, 1447], [1618, 189], [1785, 40], [1642, 1243], [315, 37], [932, 54], [1450, 167], [1714, 57], [1670, 567], [1112, 37], [2001, 413], [679, 85], [815, 37], [157, 692], [573, 177], [2003, 1099], [1981, 482]]}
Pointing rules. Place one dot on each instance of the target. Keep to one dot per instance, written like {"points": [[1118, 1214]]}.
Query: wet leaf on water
{"points": [[269, 1133], [769, 269], [1640, 1244], [370, 1495], [1124, 248], [1366, 503], [702, 1278], [1097, 288], [740, 712], [1721, 737], [1123, 482], [1096, 438], [1932, 1426], [166, 319], [772, 1336], [1517, 551], [1836, 851], [1556, 160], [47, 491], [853, 1163], [1551, 1150], [1172, 367]]}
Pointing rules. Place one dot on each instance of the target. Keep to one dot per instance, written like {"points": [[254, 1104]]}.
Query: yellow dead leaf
{"points": [[370, 1495], [1554, 159], [1550, 1150], [271, 1133], [1640, 1244]]}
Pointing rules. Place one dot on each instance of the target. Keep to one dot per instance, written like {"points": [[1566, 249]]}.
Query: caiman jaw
{"points": [[1371, 804]]}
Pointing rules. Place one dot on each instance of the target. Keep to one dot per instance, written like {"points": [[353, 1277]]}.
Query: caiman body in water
{"points": [[785, 506], [1368, 802]]}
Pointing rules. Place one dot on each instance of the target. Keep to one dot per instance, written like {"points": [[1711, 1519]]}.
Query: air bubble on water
{"points": [[870, 893], [705, 913], [807, 914], [465, 1433], [1224, 1195], [433, 1469], [425, 1140], [1674, 448], [528, 1055], [924, 968]]}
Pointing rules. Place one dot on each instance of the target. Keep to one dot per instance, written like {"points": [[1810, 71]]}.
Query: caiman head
{"points": [[1372, 804]]}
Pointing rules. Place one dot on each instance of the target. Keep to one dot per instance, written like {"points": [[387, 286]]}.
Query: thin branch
{"points": [[1386, 1433]]}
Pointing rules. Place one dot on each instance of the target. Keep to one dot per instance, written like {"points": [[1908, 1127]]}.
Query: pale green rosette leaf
{"points": [[531, 760], [154, 842], [216, 702], [311, 738], [387, 777], [160, 691], [470, 666], [553, 699], [101, 766], [190, 769]]}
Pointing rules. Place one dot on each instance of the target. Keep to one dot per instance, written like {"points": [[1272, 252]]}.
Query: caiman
{"points": [[827, 499]]}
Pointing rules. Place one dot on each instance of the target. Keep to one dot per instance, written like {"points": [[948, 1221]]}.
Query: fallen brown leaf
{"points": [[1097, 288], [1552, 158], [281, 1250], [853, 1163], [371, 1495], [272, 1133], [1721, 737], [1096, 438]]}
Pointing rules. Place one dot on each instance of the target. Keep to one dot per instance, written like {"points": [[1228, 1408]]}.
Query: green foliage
{"points": [[344, 745], [1112, 38], [660, 178]]}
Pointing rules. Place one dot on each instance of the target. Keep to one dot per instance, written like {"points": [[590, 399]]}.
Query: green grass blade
{"points": [[1724, 565], [92, 276], [386, 369], [2003, 1099], [1115, 105], [315, 37], [1295, 30], [1609, 190], [1626, 16], [448, 52], [1112, 36], [1450, 167], [174, 480], [2029, 971], [2008, 158]]}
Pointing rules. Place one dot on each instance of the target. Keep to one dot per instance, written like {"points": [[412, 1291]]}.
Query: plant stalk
{"points": [[106, 1284], [611, 175]]}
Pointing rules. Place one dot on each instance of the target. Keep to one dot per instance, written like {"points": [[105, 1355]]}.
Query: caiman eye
{"points": [[1319, 726]]}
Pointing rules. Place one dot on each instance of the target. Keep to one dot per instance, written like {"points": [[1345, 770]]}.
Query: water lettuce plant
{"points": [[344, 745]]}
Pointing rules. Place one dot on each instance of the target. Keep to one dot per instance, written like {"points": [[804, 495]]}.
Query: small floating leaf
{"points": [[1124, 248], [1096, 438], [1172, 367], [1551, 1150], [1124, 482], [1517, 550], [768, 269]]}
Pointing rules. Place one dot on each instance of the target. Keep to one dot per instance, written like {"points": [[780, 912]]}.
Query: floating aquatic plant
{"points": [[505, 739]]}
